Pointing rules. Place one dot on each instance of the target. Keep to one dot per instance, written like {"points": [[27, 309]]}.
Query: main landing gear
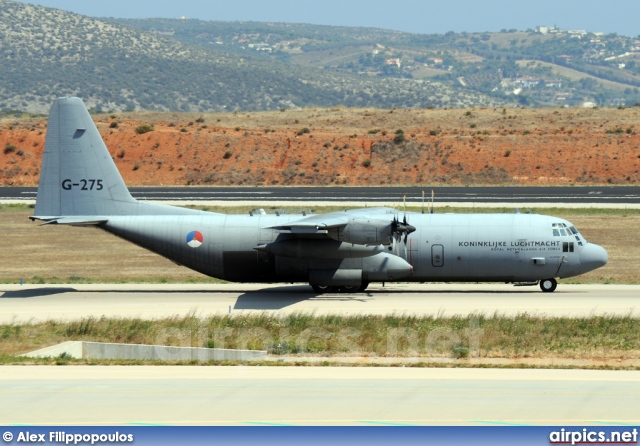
{"points": [[321, 289], [548, 285]]}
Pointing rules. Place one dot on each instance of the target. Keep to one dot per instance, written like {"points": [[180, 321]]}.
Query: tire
{"points": [[321, 289], [548, 285], [349, 289]]}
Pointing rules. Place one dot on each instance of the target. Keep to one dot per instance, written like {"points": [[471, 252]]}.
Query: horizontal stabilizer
{"points": [[72, 221]]}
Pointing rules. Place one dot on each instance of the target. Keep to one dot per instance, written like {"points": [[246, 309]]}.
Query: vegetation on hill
{"points": [[46, 53], [549, 66], [192, 65]]}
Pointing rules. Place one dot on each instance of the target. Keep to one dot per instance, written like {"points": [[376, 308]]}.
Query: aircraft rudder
{"points": [[78, 175]]}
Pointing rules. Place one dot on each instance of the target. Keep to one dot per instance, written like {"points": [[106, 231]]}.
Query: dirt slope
{"points": [[354, 147]]}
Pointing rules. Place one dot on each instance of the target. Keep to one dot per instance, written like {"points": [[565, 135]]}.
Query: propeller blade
{"points": [[404, 204]]}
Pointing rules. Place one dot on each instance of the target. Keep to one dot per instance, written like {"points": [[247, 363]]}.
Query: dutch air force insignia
{"points": [[195, 239]]}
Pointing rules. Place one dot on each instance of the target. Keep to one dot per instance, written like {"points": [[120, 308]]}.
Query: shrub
{"points": [[9, 148], [399, 138], [113, 125], [366, 163], [200, 120], [146, 128], [136, 166], [473, 126], [304, 130], [227, 154], [507, 153], [121, 153]]}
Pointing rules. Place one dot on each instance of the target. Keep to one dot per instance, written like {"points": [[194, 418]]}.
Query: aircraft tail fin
{"points": [[78, 176]]}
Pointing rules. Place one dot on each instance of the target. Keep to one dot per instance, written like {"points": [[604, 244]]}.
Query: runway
{"points": [[72, 302], [460, 196], [162, 395]]}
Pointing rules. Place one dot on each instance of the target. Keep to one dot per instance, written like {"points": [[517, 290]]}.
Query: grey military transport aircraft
{"points": [[338, 251]]}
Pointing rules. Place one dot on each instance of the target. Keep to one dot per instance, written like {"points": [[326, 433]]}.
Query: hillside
{"points": [[547, 66], [340, 146], [46, 53]]}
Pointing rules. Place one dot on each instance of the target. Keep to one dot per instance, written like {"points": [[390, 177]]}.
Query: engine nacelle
{"points": [[363, 231], [381, 267]]}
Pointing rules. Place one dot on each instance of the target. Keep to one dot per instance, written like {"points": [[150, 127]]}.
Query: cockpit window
{"points": [[563, 230]]}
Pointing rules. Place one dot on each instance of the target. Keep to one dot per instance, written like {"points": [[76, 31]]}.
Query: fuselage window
{"points": [[567, 246], [574, 231], [562, 232], [556, 233]]}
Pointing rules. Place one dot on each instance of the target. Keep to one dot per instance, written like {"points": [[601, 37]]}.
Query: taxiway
{"points": [[315, 396]]}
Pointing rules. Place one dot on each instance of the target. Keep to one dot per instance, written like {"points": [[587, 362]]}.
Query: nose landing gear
{"points": [[548, 285]]}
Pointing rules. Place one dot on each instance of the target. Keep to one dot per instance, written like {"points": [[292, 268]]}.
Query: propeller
{"points": [[399, 229]]}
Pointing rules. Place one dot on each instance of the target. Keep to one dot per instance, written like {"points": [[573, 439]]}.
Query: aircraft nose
{"points": [[592, 257]]}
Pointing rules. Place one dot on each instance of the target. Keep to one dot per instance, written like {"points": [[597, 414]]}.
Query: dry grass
{"points": [[601, 338], [61, 254]]}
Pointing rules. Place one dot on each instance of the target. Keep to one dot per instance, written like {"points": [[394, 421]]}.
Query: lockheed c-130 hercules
{"points": [[338, 251]]}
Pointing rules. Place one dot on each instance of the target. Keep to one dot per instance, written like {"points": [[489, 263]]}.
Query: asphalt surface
{"points": [[74, 302], [165, 395], [158, 395], [579, 195]]}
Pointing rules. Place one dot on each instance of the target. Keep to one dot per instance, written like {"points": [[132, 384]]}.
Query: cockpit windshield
{"points": [[564, 230]]}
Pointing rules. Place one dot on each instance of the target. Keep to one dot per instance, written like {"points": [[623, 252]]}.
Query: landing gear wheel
{"points": [[321, 289], [548, 285], [348, 289]]}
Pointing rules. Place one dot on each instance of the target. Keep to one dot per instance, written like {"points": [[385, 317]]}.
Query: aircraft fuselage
{"points": [[444, 247]]}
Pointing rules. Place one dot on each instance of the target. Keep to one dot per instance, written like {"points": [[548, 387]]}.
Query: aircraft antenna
{"points": [[432, 194]]}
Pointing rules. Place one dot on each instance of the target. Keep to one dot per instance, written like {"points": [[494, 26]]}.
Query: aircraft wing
{"points": [[321, 223]]}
